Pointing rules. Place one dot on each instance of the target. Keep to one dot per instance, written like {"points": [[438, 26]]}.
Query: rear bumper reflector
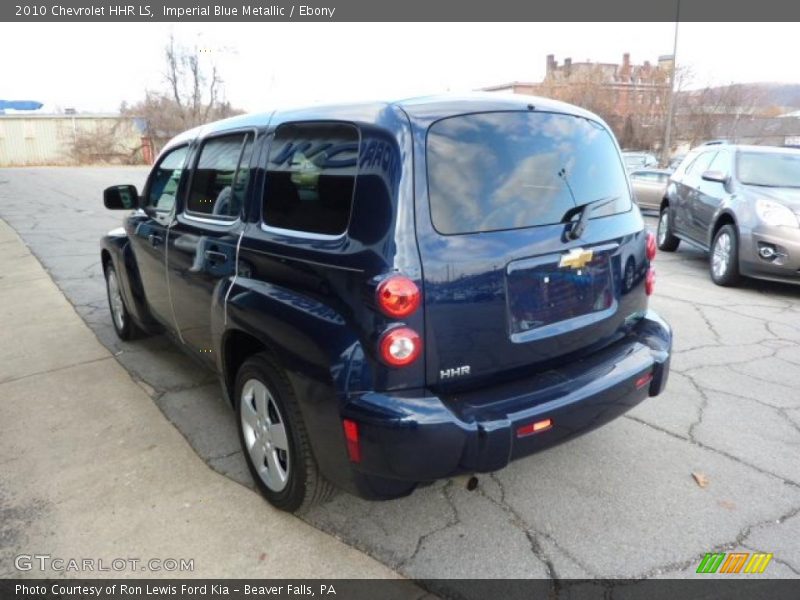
{"points": [[644, 380], [353, 445], [536, 427]]}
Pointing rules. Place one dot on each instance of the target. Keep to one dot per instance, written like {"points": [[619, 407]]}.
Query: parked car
{"points": [[639, 160], [675, 162], [649, 186], [741, 203], [394, 293]]}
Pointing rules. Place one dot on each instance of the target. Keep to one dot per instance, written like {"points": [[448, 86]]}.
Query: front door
{"points": [[686, 217], [147, 230], [710, 194], [204, 237]]}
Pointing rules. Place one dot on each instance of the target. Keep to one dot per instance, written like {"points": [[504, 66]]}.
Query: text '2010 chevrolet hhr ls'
{"points": [[393, 293]]}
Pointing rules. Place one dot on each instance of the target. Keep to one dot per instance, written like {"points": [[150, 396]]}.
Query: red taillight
{"points": [[650, 281], [537, 427], [398, 296], [400, 346], [644, 380], [650, 246], [351, 435]]}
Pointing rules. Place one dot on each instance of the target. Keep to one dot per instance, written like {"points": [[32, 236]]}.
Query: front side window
{"points": [[165, 180], [219, 182], [700, 164], [508, 170], [311, 175], [721, 162], [769, 169]]}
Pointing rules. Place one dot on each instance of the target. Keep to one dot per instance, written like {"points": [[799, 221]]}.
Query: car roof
{"points": [[423, 108]]}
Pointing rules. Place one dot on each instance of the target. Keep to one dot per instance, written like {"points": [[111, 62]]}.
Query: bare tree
{"points": [[716, 112], [194, 95], [111, 141]]}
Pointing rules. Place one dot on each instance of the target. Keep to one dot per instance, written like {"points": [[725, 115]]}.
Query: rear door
{"points": [[205, 234], [506, 289], [148, 230]]}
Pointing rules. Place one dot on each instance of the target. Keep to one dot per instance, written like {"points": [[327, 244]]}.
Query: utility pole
{"points": [[671, 97]]}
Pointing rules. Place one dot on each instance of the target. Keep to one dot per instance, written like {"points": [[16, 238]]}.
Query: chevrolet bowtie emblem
{"points": [[577, 258]]}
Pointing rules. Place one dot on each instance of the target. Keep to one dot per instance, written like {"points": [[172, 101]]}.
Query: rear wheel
{"points": [[274, 438], [666, 240], [123, 324], [724, 264]]}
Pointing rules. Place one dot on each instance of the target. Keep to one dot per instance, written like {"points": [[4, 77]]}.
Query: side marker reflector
{"points": [[537, 427], [351, 435], [644, 380]]}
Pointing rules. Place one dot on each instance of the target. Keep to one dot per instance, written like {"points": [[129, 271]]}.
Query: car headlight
{"points": [[775, 214]]}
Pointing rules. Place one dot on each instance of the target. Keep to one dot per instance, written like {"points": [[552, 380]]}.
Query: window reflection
{"points": [[507, 170]]}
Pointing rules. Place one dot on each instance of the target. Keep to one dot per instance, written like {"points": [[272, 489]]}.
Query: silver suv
{"points": [[740, 203]]}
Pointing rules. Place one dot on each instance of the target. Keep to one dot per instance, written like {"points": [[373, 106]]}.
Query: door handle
{"points": [[215, 257], [155, 240]]}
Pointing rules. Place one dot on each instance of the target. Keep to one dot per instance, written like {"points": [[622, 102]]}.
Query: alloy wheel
{"points": [[115, 300], [265, 435], [663, 227], [722, 255]]}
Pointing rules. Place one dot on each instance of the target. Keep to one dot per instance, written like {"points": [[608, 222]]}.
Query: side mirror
{"points": [[121, 197], [717, 176]]}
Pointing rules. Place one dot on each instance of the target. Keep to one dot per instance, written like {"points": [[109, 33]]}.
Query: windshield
{"points": [[508, 170], [769, 169]]}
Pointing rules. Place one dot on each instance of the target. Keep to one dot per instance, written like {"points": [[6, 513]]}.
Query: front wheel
{"points": [[123, 324], [666, 240], [724, 264], [274, 438]]}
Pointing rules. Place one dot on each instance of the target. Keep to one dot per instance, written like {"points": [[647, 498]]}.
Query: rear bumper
{"points": [[419, 436]]}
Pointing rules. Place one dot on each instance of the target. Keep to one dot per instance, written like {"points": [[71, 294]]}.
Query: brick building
{"points": [[631, 97]]}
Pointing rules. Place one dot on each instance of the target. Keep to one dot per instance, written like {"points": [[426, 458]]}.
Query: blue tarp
{"points": [[20, 105]]}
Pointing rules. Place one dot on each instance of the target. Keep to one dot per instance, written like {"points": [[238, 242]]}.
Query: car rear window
{"points": [[509, 170]]}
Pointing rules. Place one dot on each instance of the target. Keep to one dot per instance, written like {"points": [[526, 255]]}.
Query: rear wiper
{"points": [[583, 210]]}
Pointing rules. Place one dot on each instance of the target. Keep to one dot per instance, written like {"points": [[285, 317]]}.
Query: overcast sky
{"points": [[95, 66]]}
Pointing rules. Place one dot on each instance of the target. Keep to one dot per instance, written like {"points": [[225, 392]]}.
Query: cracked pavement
{"points": [[619, 502]]}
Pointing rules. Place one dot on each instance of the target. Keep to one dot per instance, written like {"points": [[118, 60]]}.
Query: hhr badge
{"points": [[577, 258], [454, 372]]}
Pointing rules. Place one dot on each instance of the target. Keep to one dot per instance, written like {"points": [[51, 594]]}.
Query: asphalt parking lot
{"points": [[620, 502]]}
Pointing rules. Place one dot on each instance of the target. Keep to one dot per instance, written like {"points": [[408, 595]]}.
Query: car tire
{"points": [[724, 260], [120, 317], [629, 276], [274, 438], [664, 237]]}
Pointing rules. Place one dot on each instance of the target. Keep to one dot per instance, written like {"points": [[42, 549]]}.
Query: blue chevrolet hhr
{"points": [[396, 292]]}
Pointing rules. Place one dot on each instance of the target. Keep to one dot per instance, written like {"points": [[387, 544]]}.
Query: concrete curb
{"points": [[91, 469]]}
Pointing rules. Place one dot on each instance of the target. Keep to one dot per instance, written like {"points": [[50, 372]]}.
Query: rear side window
{"points": [[311, 176], [508, 170], [220, 177]]}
